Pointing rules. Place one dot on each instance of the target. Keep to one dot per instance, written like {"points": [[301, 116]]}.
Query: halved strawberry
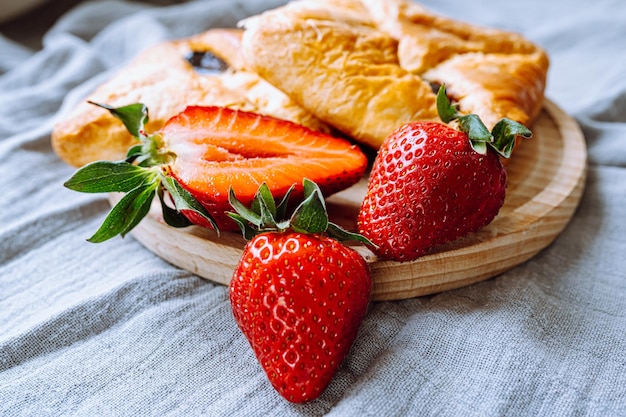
{"points": [[217, 148], [201, 153]]}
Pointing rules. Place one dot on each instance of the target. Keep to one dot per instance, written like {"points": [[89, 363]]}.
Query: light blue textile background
{"points": [[112, 330]]}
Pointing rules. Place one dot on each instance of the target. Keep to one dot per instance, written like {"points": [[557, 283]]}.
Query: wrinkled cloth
{"points": [[113, 330]]}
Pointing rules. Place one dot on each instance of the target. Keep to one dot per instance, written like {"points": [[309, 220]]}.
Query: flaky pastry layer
{"points": [[358, 67]]}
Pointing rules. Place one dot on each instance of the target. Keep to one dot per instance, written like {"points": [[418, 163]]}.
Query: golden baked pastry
{"points": [[368, 66], [338, 67], [360, 67], [490, 72], [166, 82]]}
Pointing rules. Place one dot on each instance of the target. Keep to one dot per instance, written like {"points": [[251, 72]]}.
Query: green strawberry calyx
{"points": [[140, 176], [501, 138], [310, 216]]}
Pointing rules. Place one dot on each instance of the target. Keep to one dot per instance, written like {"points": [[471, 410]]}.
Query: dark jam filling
{"points": [[206, 63], [434, 85]]}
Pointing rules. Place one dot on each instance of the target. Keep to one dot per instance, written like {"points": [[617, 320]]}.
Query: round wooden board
{"points": [[546, 176]]}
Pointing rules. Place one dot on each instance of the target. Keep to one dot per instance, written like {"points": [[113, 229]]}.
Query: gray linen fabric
{"points": [[112, 330]]}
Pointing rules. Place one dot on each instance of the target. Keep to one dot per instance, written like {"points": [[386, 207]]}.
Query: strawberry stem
{"points": [[505, 133], [502, 137], [141, 176], [447, 112], [310, 216], [134, 116], [127, 213], [109, 177]]}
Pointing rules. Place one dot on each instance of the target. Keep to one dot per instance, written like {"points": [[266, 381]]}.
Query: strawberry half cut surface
{"points": [[218, 148], [199, 154]]}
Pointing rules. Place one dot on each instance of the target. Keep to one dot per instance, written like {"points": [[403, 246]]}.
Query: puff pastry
{"points": [[359, 67], [367, 66], [337, 66], [490, 72], [166, 82]]}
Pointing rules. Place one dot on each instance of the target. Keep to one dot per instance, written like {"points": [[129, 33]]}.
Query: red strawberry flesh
{"points": [[217, 148]]}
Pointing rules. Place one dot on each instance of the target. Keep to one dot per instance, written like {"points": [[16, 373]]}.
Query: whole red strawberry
{"points": [[299, 298], [431, 184]]}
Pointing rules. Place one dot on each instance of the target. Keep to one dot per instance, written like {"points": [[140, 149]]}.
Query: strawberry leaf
{"points": [[127, 213], [267, 220], [264, 200], [281, 208], [310, 216], [311, 188], [476, 131], [134, 152], [505, 133], [244, 212], [337, 232], [106, 177], [183, 200], [501, 138], [171, 216], [248, 231], [447, 112], [134, 116], [264, 205]]}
